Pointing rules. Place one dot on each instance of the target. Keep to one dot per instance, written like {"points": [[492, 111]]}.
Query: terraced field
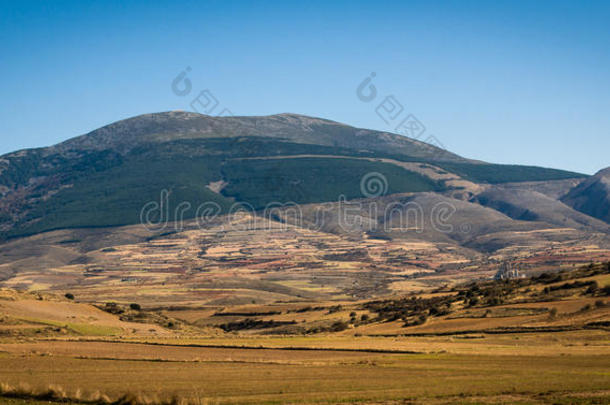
{"points": [[248, 259]]}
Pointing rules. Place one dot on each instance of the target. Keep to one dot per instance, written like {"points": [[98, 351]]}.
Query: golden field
{"points": [[541, 340]]}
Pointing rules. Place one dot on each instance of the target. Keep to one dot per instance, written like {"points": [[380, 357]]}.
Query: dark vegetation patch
{"points": [[486, 294], [352, 255], [247, 313], [336, 326], [247, 324], [308, 308], [495, 173], [312, 180], [412, 311]]}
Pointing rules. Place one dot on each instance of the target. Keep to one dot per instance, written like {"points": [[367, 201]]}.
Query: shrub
{"points": [[338, 326], [69, 296], [438, 311], [364, 318], [419, 320], [576, 284], [113, 308], [592, 288], [135, 307]]}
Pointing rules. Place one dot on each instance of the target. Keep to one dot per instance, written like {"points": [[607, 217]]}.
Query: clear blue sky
{"points": [[523, 82]]}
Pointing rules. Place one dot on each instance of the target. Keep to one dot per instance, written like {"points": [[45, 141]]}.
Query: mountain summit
{"points": [[170, 126]]}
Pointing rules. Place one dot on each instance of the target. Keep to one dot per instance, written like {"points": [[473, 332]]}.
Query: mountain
{"points": [[182, 160], [153, 207], [592, 196], [528, 205]]}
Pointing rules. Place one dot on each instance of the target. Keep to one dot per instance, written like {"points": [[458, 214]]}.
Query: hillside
{"points": [[105, 177], [534, 206], [592, 196], [349, 250]]}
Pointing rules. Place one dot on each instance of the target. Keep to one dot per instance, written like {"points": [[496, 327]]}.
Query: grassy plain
{"points": [[541, 340], [383, 377]]}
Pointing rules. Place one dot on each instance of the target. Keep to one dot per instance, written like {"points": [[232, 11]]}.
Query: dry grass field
{"points": [[318, 377], [540, 340]]}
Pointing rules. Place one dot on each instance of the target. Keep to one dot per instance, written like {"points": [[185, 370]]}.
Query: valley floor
{"points": [[257, 375], [541, 340]]}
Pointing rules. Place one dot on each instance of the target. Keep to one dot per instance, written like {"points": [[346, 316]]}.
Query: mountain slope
{"points": [[434, 218], [592, 196], [529, 205], [106, 177]]}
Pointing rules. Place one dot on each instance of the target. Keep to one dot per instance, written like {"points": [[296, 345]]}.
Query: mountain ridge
{"points": [[176, 125]]}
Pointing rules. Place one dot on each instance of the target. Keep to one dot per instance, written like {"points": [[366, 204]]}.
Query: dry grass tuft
{"points": [[54, 393]]}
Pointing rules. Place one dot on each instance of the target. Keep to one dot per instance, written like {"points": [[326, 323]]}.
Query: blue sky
{"points": [[524, 82]]}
